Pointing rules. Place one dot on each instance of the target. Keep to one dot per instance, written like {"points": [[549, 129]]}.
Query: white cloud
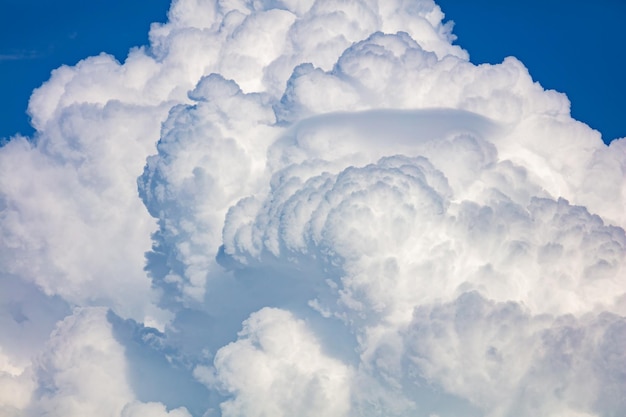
{"points": [[16, 386], [521, 364], [351, 219], [277, 368], [82, 370]]}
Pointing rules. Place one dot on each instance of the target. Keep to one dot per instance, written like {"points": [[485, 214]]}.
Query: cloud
{"points": [[309, 208], [21, 55], [82, 369], [276, 367], [138, 409], [555, 365]]}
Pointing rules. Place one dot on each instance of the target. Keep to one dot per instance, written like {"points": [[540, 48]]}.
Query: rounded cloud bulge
{"points": [[321, 207]]}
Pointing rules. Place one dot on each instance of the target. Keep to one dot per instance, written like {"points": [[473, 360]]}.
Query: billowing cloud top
{"points": [[342, 216]]}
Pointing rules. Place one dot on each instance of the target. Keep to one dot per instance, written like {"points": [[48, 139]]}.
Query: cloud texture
{"points": [[309, 208]]}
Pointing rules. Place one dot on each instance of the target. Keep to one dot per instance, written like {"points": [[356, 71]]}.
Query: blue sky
{"points": [[574, 47]]}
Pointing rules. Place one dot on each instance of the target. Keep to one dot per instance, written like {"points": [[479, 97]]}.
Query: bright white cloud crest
{"points": [[342, 216]]}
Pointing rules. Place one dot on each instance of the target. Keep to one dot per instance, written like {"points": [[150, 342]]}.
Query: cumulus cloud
{"points": [[316, 207], [82, 369], [277, 367]]}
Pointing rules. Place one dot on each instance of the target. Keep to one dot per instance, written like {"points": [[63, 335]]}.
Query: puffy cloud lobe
{"points": [[277, 368], [554, 365], [402, 213], [210, 155], [358, 221], [82, 370], [393, 71], [60, 220], [401, 232]]}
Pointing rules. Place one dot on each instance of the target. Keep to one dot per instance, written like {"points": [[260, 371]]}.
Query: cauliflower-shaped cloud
{"points": [[313, 208]]}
